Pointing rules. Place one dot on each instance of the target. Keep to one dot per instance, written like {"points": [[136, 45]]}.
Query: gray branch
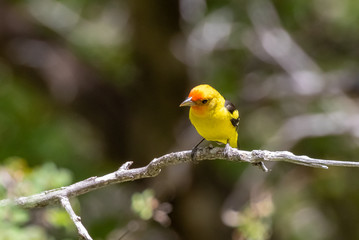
{"points": [[125, 174], [76, 219]]}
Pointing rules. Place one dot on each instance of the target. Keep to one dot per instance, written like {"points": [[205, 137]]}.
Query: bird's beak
{"points": [[187, 103]]}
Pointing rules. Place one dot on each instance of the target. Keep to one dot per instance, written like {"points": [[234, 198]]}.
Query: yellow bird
{"points": [[214, 118]]}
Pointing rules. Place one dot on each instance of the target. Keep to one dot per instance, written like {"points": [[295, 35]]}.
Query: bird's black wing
{"points": [[231, 108]]}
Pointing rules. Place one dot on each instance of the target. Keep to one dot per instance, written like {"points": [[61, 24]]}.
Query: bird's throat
{"points": [[200, 111]]}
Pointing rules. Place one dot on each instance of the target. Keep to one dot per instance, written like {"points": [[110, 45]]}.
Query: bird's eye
{"points": [[204, 101]]}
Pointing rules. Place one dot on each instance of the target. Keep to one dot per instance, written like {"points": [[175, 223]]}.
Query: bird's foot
{"points": [[261, 166], [194, 150], [193, 153]]}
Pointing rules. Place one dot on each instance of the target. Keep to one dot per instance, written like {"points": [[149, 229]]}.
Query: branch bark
{"points": [[125, 174], [65, 202]]}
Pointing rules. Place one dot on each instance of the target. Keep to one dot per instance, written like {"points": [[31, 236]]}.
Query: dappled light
{"points": [[88, 88]]}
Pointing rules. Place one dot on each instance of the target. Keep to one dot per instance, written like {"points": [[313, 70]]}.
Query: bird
{"points": [[214, 118]]}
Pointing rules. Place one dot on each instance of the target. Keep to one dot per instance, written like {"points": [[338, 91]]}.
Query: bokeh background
{"points": [[88, 85]]}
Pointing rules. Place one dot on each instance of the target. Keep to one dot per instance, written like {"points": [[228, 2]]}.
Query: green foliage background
{"points": [[88, 85]]}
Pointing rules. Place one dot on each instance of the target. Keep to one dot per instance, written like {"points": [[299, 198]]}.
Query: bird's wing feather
{"points": [[233, 110], [229, 106]]}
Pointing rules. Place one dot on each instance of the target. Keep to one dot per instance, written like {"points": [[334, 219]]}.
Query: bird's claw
{"points": [[194, 150], [193, 153], [261, 166]]}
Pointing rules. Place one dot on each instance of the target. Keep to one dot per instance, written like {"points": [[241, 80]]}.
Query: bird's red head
{"points": [[196, 94], [202, 98]]}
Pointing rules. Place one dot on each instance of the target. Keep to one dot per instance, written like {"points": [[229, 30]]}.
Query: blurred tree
{"points": [[44, 57], [89, 84]]}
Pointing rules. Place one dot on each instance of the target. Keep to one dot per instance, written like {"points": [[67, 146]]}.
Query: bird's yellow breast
{"points": [[213, 122]]}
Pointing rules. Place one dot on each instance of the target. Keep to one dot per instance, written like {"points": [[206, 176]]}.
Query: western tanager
{"points": [[214, 118]]}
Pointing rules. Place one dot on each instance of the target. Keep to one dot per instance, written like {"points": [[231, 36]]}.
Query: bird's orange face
{"points": [[199, 99]]}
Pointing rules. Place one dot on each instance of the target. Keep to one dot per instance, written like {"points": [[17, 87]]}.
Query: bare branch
{"points": [[76, 219], [125, 174]]}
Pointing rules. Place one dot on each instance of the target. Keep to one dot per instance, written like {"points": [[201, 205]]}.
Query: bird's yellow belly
{"points": [[215, 129]]}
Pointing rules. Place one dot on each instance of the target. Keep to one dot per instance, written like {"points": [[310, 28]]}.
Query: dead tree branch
{"points": [[125, 174], [65, 202]]}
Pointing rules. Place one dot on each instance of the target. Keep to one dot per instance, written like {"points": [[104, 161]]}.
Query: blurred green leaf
{"points": [[58, 217], [18, 179], [142, 204]]}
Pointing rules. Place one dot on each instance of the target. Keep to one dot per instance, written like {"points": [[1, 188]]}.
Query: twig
{"points": [[76, 219]]}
